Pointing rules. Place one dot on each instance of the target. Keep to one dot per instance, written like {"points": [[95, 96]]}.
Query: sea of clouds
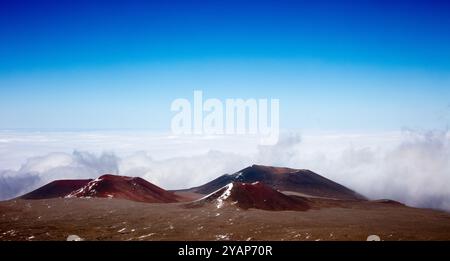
{"points": [[408, 166]]}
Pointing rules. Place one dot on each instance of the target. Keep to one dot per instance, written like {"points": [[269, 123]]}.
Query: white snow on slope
{"points": [[224, 196]]}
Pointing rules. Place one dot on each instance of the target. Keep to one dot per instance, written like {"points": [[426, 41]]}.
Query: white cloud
{"points": [[182, 172], [410, 167], [37, 171]]}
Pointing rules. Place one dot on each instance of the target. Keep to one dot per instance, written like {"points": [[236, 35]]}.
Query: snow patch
{"points": [[220, 200], [145, 236], [223, 237], [89, 189], [122, 230], [224, 196]]}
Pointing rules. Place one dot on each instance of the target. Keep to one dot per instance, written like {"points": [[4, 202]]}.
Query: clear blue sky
{"points": [[357, 65]]}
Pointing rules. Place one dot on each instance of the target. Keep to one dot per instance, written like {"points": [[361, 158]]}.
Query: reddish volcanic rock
{"points": [[130, 188], [254, 195], [301, 181], [56, 189]]}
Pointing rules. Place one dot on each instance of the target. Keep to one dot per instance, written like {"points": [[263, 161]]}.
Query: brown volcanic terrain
{"points": [[283, 179], [116, 219], [252, 195], [130, 188], [278, 204]]}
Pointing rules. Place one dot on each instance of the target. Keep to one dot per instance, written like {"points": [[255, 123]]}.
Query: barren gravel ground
{"points": [[112, 219]]}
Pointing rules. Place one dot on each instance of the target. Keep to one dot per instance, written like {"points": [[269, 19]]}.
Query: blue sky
{"points": [[352, 65]]}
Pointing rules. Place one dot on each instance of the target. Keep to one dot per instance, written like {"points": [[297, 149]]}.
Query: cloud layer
{"points": [[411, 167]]}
